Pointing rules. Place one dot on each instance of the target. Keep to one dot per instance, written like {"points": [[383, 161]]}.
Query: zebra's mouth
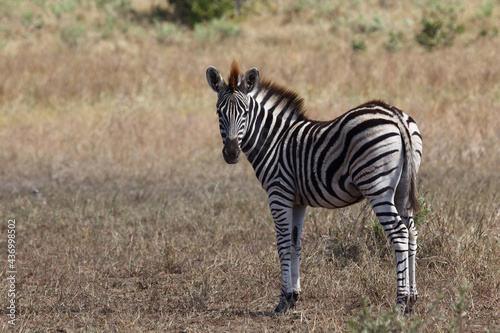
{"points": [[230, 159], [231, 151]]}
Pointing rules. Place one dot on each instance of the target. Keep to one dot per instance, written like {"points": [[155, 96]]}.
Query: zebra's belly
{"points": [[319, 195]]}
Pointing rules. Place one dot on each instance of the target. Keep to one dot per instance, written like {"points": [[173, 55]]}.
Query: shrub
{"points": [[394, 42], [59, 8], [27, 18], [486, 10], [71, 34], [358, 45], [367, 322], [123, 4], [377, 239], [460, 308], [439, 27], [191, 12], [420, 218], [362, 25]]}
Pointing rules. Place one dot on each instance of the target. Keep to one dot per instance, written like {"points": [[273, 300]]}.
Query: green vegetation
{"points": [[358, 45], [72, 34], [485, 10], [384, 322], [440, 26], [421, 217], [367, 322], [192, 12], [216, 30], [395, 41], [165, 32], [140, 225]]}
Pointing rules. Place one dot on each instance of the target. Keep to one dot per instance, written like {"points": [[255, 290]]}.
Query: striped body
{"points": [[372, 152], [335, 163]]}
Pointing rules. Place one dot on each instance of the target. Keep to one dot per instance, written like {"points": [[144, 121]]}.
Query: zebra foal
{"points": [[373, 151]]}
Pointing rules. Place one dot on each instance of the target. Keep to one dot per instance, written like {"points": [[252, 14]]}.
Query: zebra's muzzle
{"points": [[231, 151]]}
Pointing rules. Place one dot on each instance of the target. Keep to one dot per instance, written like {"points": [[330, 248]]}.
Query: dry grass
{"points": [[145, 228]]}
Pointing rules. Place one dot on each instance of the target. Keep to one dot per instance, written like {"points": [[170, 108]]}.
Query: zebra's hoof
{"points": [[401, 309], [411, 303], [402, 305], [405, 308], [287, 301]]}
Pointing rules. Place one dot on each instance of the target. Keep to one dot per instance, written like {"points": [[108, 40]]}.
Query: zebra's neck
{"points": [[273, 111]]}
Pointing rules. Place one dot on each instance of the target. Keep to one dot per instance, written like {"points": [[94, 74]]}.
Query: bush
{"points": [[367, 322], [59, 8], [27, 18], [421, 217], [439, 27], [394, 42], [485, 11], [364, 26], [358, 45], [191, 12], [71, 34]]}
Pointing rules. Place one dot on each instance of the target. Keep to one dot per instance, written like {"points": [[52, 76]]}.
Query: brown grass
{"points": [[145, 228]]}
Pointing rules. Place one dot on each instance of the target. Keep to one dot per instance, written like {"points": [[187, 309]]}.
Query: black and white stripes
{"points": [[372, 151]]}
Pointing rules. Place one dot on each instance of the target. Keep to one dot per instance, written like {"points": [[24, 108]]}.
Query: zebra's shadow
{"points": [[252, 314], [263, 314]]}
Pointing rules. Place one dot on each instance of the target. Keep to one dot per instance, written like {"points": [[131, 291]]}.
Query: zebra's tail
{"points": [[413, 202], [411, 168]]}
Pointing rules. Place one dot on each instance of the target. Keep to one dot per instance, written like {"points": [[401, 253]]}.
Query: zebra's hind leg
{"points": [[397, 233], [407, 216], [412, 256]]}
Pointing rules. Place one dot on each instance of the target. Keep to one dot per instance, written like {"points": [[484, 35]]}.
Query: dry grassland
{"points": [[141, 226]]}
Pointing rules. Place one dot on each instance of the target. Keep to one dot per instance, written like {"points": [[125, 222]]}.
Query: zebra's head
{"points": [[232, 107]]}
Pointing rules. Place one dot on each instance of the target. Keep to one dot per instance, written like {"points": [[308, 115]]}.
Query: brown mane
{"points": [[234, 76], [295, 102]]}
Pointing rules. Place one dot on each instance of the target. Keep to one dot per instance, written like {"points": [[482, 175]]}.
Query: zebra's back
{"points": [[359, 154]]}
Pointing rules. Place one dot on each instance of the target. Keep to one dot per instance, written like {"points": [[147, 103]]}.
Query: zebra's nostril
{"points": [[231, 154], [231, 151]]}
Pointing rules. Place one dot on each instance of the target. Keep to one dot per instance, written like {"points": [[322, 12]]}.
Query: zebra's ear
{"points": [[250, 80], [215, 80]]}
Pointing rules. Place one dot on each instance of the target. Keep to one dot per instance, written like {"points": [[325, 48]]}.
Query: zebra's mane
{"points": [[294, 101], [378, 103], [234, 76]]}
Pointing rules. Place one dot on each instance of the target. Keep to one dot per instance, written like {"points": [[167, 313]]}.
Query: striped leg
{"points": [[397, 233], [412, 254], [401, 205], [297, 223], [282, 212]]}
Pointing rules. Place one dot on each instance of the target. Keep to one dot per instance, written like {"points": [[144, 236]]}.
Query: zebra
{"points": [[371, 152]]}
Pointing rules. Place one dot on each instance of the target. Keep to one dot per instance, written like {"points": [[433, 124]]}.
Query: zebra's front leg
{"points": [[298, 215], [283, 216]]}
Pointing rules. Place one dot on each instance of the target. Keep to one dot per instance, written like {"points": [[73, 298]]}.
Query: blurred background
{"points": [[92, 90]]}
